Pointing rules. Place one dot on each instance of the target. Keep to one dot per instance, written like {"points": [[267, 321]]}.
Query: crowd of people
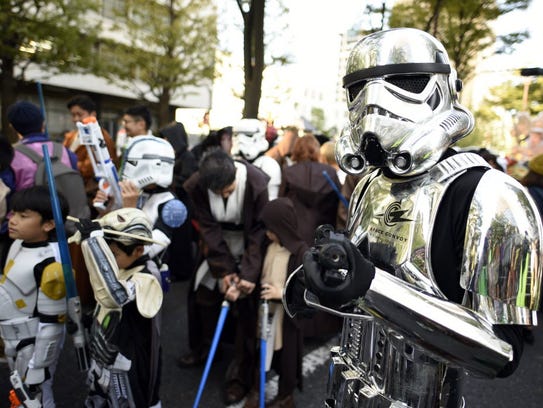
{"points": [[232, 215]]}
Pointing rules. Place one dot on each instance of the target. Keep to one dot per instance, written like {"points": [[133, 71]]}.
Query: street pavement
{"points": [[179, 386]]}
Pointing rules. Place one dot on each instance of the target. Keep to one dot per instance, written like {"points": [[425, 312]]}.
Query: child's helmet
{"points": [[148, 160], [129, 220]]}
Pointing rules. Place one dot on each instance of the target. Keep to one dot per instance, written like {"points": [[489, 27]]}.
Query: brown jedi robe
{"points": [[313, 197], [221, 262], [316, 203], [280, 217], [204, 304]]}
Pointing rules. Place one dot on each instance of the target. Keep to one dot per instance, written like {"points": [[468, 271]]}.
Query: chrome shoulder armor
{"points": [[501, 267]]}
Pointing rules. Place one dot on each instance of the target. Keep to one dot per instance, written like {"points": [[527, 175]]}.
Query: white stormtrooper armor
{"points": [[148, 160], [270, 166], [249, 139], [32, 342], [404, 342], [173, 214], [249, 142]]}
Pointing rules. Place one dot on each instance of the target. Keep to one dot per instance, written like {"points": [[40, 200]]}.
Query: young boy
{"points": [[283, 254], [124, 342], [32, 293]]}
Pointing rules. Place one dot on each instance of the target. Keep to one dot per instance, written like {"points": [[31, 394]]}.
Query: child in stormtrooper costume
{"points": [[147, 174], [439, 267], [249, 143], [122, 345], [33, 294]]}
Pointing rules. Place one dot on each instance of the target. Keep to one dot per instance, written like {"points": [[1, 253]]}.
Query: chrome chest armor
{"points": [[405, 344]]}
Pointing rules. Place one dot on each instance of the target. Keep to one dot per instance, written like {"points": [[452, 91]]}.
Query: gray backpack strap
{"points": [[58, 149], [28, 152]]}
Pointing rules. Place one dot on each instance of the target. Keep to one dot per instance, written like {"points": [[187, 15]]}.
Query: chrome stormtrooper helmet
{"points": [[403, 104], [249, 139], [148, 160]]}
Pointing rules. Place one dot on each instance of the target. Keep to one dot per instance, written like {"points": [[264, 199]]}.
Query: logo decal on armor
{"points": [[394, 214]]}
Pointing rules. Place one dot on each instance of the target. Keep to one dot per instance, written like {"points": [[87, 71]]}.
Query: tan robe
{"points": [[274, 272]]}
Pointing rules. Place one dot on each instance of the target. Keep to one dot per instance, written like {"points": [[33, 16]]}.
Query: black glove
{"points": [[335, 270], [86, 227], [294, 297]]}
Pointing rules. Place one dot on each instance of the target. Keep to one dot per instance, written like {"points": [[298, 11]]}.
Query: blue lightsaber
{"points": [[218, 330], [263, 346], [333, 185], [42, 106], [74, 326]]}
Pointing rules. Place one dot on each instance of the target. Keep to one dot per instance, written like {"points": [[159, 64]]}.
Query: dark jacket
{"points": [[537, 194], [185, 162]]}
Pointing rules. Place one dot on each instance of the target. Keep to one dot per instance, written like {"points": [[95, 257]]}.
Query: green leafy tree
{"points": [[509, 95], [55, 35], [171, 47], [318, 118], [506, 97], [462, 26]]}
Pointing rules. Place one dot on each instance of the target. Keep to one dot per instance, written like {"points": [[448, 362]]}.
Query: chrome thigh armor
{"points": [[404, 344]]}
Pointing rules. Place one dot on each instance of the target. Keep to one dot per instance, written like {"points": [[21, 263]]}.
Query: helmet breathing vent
{"points": [[450, 121], [374, 153], [145, 180]]}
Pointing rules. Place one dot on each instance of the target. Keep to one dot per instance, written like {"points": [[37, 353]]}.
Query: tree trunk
{"points": [[253, 50], [164, 116], [433, 23], [8, 85]]}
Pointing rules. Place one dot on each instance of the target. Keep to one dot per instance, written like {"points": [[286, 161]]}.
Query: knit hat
{"points": [[25, 117], [536, 164]]}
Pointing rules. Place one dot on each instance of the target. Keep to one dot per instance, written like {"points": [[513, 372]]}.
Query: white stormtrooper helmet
{"points": [[129, 220], [249, 139], [148, 160], [403, 104]]}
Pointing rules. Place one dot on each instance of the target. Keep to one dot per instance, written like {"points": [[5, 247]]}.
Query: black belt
{"points": [[230, 226]]}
